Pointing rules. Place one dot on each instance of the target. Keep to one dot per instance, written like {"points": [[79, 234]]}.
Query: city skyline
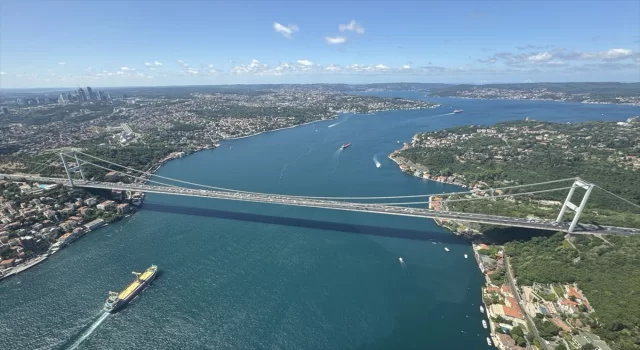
{"points": [[201, 43]]}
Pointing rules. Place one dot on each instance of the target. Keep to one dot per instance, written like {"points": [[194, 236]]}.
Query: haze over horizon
{"points": [[47, 44]]}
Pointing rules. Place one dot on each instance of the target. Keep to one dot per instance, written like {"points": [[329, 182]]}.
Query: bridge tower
{"points": [[577, 209], [69, 169]]}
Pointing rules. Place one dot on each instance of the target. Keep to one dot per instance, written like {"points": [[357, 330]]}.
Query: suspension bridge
{"points": [[145, 182]]}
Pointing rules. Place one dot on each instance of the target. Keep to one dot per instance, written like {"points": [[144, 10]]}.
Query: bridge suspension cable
{"points": [[165, 177], [135, 177], [322, 197], [621, 198], [482, 198]]}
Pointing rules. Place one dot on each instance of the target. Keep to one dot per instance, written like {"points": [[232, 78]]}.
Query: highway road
{"points": [[338, 205]]}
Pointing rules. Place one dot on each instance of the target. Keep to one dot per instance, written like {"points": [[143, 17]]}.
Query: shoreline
{"points": [[284, 128], [538, 99]]}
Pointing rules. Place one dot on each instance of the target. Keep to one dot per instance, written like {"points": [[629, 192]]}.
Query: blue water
{"points": [[253, 276]]}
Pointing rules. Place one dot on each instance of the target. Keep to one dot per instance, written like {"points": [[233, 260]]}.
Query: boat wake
{"points": [[338, 123], [284, 167], [89, 330], [404, 266], [376, 161]]}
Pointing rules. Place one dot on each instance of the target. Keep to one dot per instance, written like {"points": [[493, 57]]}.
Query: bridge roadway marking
{"points": [[323, 204]]}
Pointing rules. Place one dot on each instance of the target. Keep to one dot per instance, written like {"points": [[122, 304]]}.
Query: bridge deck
{"points": [[339, 205]]}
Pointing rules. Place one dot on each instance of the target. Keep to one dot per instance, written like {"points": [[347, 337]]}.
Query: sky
{"points": [[52, 43]]}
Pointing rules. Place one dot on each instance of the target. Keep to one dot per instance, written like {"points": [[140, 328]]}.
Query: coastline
{"points": [[284, 128], [537, 99]]}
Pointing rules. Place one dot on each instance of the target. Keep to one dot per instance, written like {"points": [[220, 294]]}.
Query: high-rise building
{"points": [[20, 101], [63, 98], [38, 100], [82, 96], [90, 92]]}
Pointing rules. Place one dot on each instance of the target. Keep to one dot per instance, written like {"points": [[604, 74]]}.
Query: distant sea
{"points": [[254, 276]]}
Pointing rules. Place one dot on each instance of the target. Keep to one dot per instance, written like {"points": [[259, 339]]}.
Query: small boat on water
{"points": [[401, 261], [346, 145], [489, 341], [481, 309], [466, 256], [445, 248], [457, 111], [484, 324]]}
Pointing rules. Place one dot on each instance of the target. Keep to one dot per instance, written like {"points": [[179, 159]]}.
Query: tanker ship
{"points": [[117, 301]]}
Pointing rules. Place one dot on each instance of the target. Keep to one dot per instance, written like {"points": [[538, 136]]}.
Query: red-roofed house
{"points": [[568, 306], [483, 246], [493, 289], [558, 322], [512, 309], [571, 291], [506, 290]]}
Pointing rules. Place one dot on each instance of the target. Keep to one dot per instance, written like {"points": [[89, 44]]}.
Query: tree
{"points": [[560, 347], [588, 346]]}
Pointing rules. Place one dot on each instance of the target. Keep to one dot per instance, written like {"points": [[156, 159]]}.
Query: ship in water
{"points": [[117, 301], [346, 145], [457, 111]]}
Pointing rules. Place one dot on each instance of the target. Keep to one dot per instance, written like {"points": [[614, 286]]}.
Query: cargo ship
{"points": [[346, 145], [456, 111], [117, 301]]}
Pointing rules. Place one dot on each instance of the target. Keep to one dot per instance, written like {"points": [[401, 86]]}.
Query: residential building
{"points": [[94, 224], [106, 205], [122, 208]]}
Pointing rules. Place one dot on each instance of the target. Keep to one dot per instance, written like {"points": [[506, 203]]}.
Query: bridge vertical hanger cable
{"points": [[135, 177], [485, 198], [319, 197]]}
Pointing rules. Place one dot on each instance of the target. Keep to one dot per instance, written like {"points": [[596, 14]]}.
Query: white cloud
{"points": [[541, 56], [352, 26], [555, 63], [153, 69], [182, 63], [3, 73], [305, 62], [154, 63], [286, 31], [120, 73], [61, 63], [335, 40], [193, 71], [609, 55], [333, 68], [150, 76], [255, 67], [381, 67], [406, 66], [126, 69]]}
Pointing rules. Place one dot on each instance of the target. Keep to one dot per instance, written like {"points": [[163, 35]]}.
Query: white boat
{"points": [[401, 261], [484, 324], [445, 248], [466, 256], [488, 341], [481, 309]]}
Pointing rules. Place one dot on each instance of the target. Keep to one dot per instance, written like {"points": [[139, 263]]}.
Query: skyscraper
{"points": [[82, 96], [90, 92]]}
